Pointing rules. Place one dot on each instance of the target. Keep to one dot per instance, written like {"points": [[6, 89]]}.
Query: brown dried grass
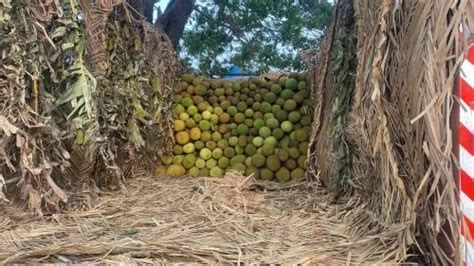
{"points": [[212, 221]]}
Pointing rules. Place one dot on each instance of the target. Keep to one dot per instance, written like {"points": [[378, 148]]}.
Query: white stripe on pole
{"points": [[468, 251], [467, 206], [466, 116], [467, 72], [466, 161]]}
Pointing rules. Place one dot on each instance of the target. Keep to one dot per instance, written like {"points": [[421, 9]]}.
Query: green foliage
{"points": [[257, 35]]}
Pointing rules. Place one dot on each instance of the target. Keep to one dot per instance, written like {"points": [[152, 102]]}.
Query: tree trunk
{"points": [[144, 8], [174, 19]]}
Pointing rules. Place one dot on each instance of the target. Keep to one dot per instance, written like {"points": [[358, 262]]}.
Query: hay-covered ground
{"points": [[227, 220]]}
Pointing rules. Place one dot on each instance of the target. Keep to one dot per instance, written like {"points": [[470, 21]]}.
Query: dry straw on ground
{"points": [[228, 220]]}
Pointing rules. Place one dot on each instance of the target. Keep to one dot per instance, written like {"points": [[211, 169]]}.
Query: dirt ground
{"points": [[213, 221]]}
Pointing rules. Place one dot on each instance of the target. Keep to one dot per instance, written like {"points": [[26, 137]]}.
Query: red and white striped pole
{"points": [[465, 136]]}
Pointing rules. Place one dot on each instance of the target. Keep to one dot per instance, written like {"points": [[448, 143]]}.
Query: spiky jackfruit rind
{"points": [[216, 171], [239, 167], [200, 163], [297, 174], [205, 154], [239, 158], [271, 140], [265, 132], [272, 123], [178, 159], [266, 174], [188, 148], [195, 133], [267, 149], [175, 170], [232, 110], [250, 150], [291, 84], [179, 125], [211, 145], [223, 162], [194, 172], [278, 133], [177, 149], [242, 142], [229, 152], [265, 107], [204, 125], [270, 97], [294, 116], [186, 102], [217, 153], [189, 161], [283, 175], [290, 105], [287, 126], [273, 163], [258, 160], [290, 164]]}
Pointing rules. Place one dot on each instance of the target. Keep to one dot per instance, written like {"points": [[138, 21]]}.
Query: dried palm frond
{"points": [[60, 122], [408, 53]]}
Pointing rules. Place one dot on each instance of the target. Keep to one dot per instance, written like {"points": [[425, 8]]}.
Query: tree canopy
{"points": [[257, 35]]}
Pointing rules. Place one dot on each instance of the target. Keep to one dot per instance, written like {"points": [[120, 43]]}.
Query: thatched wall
{"points": [[85, 92], [396, 133]]}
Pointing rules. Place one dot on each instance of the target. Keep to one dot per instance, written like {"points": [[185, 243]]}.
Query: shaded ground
{"points": [[227, 220]]}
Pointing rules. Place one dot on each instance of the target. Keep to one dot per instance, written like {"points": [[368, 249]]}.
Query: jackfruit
{"points": [[205, 153], [272, 123], [291, 84], [273, 163], [195, 133], [258, 160], [217, 153], [188, 148], [283, 175], [223, 162], [287, 126], [297, 174], [175, 170], [194, 172], [216, 171], [189, 161], [182, 137], [266, 174], [264, 132]]}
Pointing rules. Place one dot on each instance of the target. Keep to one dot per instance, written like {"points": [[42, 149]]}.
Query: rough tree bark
{"points": [[144, 7], [174, 19]]}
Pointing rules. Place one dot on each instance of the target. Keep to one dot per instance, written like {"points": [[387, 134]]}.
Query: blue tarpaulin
{"points": [[236, 73]]}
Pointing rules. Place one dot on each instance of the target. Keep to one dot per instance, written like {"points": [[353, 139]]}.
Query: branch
{"points": [[174, 19], [235, 31]]}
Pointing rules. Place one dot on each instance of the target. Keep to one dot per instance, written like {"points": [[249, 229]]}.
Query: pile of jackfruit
{"points": [[258, 126]]}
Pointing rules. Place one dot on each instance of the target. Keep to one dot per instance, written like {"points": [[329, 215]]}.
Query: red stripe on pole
{"points": [[467, 93], [470, 54], [467, 185], [467, 229], [466, 139]]}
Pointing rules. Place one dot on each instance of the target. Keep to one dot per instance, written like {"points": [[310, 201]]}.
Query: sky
{"points": [[163, 4]]}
